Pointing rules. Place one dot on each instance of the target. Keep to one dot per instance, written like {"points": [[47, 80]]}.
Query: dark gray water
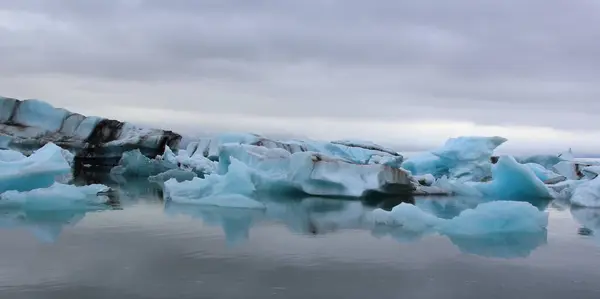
{"points": [[299, 248]]}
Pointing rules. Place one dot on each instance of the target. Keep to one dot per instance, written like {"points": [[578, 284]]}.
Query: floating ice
{"points": [[542, 173], [230, 190], [355, 151], [512, 180], [179, 175], [316, 174], [28, 125], [587, 194], [546, 161], [591, 172], [464, 158], [56, 197], [39, 170], [134, 163], [10, 156]]}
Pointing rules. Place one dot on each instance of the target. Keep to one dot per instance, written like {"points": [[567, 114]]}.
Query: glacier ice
{"points": [[57, 196], [28, 125], [463, 158], [179, 175], [134, 163], [543, 173], [510, 180], [10, 156], [587, 194], [230, 190], [274, 170], [354, 151], [39, 170]]}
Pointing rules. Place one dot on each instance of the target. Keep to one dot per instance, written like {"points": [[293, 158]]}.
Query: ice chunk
{"points": [[464, 158], [497, 217], [591, 172], [134, 163], [317, 174], [179, 175], [58, 196], [408, 216], [358, 152], [246, 169], [568, 169], [512, 180], [486, 218], [587, 194], [230, 190], [10, 156], [542, 173], [546, 161], [39, 170]]}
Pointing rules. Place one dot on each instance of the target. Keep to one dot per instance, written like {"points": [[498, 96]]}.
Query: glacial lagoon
{"points": [[304, 247]]}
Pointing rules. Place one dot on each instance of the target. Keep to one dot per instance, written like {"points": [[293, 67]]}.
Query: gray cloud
{"points": [[531, 63]]}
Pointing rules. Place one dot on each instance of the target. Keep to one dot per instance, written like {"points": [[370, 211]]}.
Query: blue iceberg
{"points": [[462, 158], [40, 170], [56, 197]]}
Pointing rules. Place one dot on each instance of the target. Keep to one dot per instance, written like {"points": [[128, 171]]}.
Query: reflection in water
{"points": [[301, 215], [46, 226], [589, 218], [312, 215]]}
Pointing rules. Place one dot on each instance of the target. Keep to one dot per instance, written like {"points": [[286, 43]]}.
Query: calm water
{"points": [[298, 248]]}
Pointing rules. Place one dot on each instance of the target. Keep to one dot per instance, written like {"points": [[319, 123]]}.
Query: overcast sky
{"points": [[394, 71]]}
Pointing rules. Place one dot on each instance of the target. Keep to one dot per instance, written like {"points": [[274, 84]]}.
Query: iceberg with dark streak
{"points": [[29, 124]]}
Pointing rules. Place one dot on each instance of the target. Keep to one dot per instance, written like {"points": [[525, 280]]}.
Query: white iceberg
{"points": [[463, 158], [355, 151], [56, 197], [40, 170]]}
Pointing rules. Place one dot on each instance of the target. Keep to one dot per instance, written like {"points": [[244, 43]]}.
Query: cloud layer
{"points": [[384, 63]]}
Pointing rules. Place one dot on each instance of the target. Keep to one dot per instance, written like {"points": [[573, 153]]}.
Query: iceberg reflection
{"points": [[319, 216], [45, 226]]}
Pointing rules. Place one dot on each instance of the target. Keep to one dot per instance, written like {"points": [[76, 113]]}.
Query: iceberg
{"points": [[587, 194], [134, 163], [510, 180], [10, 156], [276, 170], [56, 197], [463, 158], [40, 170], [354, 151], [29, 124], [546, 161], [544, 174], [230, 190]]}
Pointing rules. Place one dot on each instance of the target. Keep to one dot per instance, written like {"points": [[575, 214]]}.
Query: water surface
{"points": [[298, 248]]}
